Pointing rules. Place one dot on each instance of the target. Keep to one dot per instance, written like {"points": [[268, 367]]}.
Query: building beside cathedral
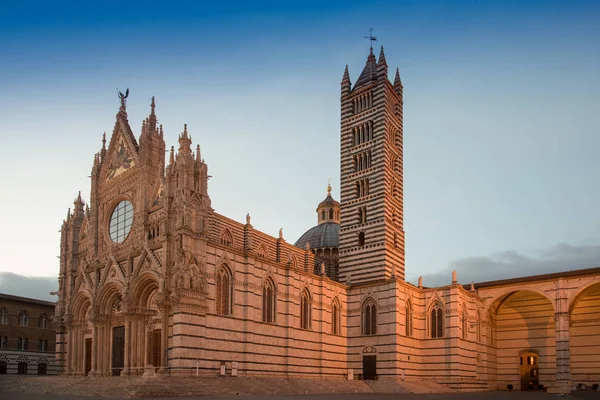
{"points": [[154, 281]]}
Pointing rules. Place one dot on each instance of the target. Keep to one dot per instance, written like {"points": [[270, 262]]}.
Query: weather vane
{"points": [[371, 37]]}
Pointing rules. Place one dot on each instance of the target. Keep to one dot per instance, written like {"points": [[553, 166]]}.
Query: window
{"points": [[335, 317], [3, 342], [43, 321], [120, 221], [22, 344], [362, 188], [464, 322], [330, 213], [305, 310], [362, 161], [361, 238], [362, 133], [3, 316], [436, 321], [43, 345], [226, 238], [23, 318], [223, 292], [269, 301], [408, 316], [362, 215], [369, 317]]}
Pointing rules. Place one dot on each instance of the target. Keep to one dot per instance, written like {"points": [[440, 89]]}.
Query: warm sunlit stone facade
{"points": [[153, 280]]}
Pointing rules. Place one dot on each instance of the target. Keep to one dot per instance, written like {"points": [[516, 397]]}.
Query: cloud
{"points": [[28, 286], [511, 264]]}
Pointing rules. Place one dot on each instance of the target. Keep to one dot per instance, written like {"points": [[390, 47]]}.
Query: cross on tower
{"points": [[371, 38]]}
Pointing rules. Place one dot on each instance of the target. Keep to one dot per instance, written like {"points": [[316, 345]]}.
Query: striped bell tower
{"points": [[371, 229]]}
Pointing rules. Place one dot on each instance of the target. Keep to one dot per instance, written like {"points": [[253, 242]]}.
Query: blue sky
{"points": [[501, 132]]}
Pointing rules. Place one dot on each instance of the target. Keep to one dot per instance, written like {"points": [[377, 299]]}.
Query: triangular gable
{"points": [[122, 154]]}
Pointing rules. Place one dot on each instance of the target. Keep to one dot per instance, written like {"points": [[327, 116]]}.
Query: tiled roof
{"points": [[320, 236], [369, 73]]}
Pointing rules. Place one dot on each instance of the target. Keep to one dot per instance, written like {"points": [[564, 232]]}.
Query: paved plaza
{"points": [[496, 395]]}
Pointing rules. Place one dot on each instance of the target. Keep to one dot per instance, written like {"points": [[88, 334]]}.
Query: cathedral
{"points": [[154, 281]]}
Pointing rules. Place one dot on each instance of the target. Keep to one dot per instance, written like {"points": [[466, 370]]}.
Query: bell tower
{"points": [[371, 228]]}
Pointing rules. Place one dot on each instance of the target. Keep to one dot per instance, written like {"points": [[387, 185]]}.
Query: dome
{"points": [[321, 236]]}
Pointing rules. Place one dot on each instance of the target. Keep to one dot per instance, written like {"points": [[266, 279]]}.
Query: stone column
{"points": [[126, 363], [94, 370], [563, 352]]}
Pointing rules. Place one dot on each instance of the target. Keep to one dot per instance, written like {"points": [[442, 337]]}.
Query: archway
{"points": [[146, 338], [523, 325], [584, 337]]}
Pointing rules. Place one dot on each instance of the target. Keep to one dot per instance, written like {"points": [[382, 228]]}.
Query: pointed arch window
{"points": [[305, 310], [409, 319], [43, 321], [3, 316], [226, 238], [224, 291], [369, 317], [269, 302], [23, 318], [436, 321], [336, 317], [3, 342]]}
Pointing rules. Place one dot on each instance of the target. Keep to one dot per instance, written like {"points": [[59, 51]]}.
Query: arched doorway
{"points": [[523, 326]]}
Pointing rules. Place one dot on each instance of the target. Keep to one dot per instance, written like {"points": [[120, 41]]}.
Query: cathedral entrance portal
{"points": [[88, 356], [118, 350], [369, 367], [530, 379]]}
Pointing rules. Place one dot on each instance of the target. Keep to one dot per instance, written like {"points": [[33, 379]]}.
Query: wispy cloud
{"points": [[511, 264], [28, 286]]}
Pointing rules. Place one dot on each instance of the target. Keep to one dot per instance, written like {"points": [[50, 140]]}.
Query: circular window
{"points": [[120, 221]]}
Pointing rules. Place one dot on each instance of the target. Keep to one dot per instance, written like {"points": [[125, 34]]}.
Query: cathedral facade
{"points": [[154, 281]]}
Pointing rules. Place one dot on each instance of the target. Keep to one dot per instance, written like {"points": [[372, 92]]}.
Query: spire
{"points": [[328, 188], [103, 151], [152, 117], [381, 57], [172, 156], [382, 67], [198, 159], [369, 73], [397, 82], [184, 140], [346, 77], [346, 84]]}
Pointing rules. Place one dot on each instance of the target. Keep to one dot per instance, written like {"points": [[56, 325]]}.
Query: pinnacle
{"points": [[397, 81], [346, 76], [381, 57]]}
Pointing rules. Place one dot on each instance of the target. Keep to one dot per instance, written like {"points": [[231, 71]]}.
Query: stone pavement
{"points": [[497, 395]]}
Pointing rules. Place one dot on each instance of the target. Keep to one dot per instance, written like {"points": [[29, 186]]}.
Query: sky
{"points": [[501, 133]]}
